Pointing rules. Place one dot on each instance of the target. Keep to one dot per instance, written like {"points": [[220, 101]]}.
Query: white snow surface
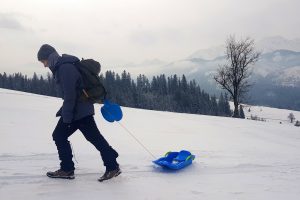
{"points": [[235, 158]]}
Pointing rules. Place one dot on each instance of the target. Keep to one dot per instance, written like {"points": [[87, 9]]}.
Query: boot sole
{"points": [[61, 177], [117, 174]]}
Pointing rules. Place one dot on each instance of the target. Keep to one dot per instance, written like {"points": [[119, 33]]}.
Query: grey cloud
{"points": [[10, 21], [144, 38], [157, 37]]}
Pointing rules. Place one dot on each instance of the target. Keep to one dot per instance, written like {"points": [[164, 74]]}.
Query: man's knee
{"points": [[57, 137]]}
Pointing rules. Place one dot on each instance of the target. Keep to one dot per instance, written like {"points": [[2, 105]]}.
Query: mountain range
{"points": [[276, 73], [279, 67]]}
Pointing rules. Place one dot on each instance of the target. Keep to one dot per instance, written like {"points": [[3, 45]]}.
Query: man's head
{"points": [[44, 53]]}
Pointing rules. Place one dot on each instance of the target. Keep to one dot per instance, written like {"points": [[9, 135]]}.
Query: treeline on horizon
{"points": [[173, 93]]}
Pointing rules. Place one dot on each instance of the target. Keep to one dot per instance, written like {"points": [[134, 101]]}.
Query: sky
{"points": [[124, 33]]}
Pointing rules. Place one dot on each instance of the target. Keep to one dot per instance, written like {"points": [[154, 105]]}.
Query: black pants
{"points": [[90, 131]]}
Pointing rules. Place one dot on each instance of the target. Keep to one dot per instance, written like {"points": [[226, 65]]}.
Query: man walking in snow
{"points": [[74, 114]]}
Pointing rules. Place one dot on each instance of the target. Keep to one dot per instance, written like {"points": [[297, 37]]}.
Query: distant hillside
{"points": [[276, 77]]}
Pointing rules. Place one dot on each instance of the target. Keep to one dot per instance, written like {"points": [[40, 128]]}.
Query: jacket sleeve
{"points": [[68, 79], [58, 112]]}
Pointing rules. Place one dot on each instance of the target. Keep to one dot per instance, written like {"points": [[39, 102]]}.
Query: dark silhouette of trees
{"points": [[174, 94]]}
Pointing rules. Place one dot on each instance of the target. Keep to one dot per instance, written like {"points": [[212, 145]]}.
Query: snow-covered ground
{"points": [[268, 114], [235, 158]]}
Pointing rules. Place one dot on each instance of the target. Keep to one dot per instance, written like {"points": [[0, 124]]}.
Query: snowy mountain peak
{"points": [[209, 54], [265, 45], [277, 42]]}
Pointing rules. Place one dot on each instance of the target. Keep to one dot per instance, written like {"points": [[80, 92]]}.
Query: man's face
{"points": [[45, 62]]}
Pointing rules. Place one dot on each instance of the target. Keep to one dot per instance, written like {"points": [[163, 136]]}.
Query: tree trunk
{"points": [[236, 109]]}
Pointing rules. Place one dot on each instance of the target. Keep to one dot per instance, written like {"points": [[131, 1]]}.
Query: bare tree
{"points": [[234, 75]]}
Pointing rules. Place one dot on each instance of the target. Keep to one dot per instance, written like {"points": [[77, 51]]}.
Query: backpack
{"points": [[93, 89]]}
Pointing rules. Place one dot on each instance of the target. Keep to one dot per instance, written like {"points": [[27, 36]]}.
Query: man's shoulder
{"points": [[68, 66], [67, 69], [67, 60]]}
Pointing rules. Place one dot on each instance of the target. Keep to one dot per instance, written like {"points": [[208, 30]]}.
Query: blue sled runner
{"points": [[175, 160]]}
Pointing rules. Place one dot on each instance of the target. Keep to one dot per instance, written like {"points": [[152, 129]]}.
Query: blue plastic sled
{"points": [[175, 160], [111, 111]]}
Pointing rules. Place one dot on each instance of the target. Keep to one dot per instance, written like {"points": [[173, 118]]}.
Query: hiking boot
{"points": [[110, 174], [61, 174]]}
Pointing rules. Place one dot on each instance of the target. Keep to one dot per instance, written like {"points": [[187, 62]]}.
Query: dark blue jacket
{"points": [[70, 82]]}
